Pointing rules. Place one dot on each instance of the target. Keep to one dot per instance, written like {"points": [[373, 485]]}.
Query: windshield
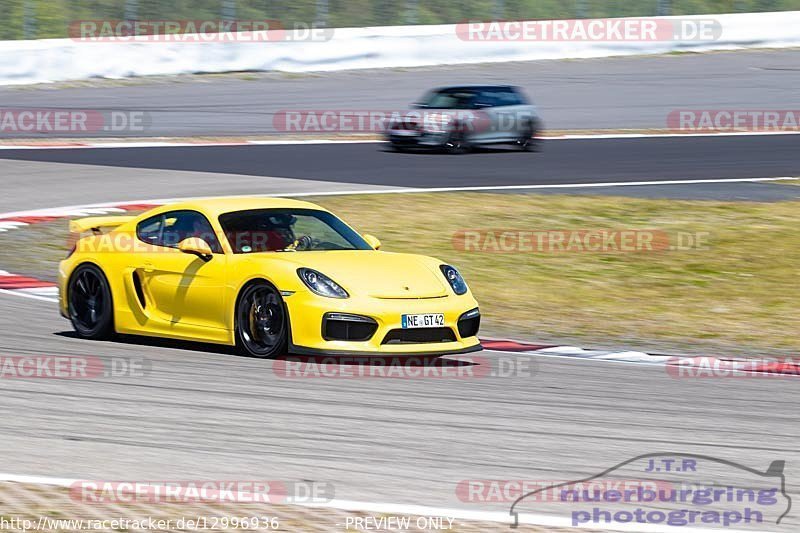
{"points": [[288, 230], [450, 99]]}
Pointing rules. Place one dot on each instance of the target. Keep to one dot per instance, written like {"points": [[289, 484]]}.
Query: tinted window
{"points": [[486, 98], [169, 229], [508, 97], [450, 99], [501, 97], [149, 230], [288, 230]]}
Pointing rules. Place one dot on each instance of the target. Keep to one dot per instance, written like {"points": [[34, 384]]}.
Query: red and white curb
{"points": [[167, 143], [11, 221], [677, 366], [575, 352], [174, 144]]}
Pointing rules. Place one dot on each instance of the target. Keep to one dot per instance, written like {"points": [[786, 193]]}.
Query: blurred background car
{"points": [[455, 119]]}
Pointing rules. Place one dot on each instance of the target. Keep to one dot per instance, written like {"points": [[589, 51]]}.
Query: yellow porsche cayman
{"points": [[268, 275]]}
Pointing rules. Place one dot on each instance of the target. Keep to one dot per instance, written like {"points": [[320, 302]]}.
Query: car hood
{"points": [[377, 274]]}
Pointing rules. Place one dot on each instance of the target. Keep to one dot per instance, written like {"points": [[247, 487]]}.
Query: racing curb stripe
{"points": [[174, 143], [10, 281], [511, 346]]}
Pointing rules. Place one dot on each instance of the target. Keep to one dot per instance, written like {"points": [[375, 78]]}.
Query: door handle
{"points": [[148, 267]]}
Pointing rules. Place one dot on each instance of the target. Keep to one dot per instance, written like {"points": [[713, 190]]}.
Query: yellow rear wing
{"points": [[96, 224]]}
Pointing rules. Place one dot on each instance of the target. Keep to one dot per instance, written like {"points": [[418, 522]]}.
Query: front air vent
{"points": [[419, 336], [347, 327]]}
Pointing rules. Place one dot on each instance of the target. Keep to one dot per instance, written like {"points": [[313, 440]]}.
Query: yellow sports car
{"points": [[268, 275]]}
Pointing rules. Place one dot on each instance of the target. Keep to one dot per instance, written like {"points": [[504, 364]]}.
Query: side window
{"points": [[486, 99], [521, 99], [169, 229], [149, 230], [180, 225], [507, 97]]}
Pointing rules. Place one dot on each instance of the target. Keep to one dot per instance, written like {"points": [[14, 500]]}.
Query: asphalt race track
{"points": [[211, 415], [204, 413], [566, 161], [612, 93]]}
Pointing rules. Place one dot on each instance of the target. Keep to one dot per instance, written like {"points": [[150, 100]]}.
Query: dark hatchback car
{"points": [[455, 119]]}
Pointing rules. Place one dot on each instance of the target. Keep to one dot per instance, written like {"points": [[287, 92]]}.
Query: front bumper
{"points": [[418, 138], [308, 313]]}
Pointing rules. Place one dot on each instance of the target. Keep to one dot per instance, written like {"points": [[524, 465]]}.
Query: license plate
{"points": [[428, 320]]}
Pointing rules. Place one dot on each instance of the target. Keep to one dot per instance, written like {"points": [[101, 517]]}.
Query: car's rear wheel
{"points": [[262, 326], [457, 142], [397, 147], [90, 306]]}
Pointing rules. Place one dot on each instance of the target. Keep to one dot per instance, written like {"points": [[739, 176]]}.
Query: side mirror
{"points": [[196, 246], [373, 241]]}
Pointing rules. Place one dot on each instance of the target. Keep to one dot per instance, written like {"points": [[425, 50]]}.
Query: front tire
{"points": [[262, 323], [528, 142], [90, 306]]}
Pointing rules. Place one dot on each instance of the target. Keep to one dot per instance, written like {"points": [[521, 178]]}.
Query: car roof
{"points": [[227, 204], [473, 87]]}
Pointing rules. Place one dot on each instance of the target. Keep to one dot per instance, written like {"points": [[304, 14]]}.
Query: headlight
{"points": [[321, 284], [454, 279]]}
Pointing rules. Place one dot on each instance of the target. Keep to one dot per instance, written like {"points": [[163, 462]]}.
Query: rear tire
{"points": [[90, 306], [456, 142], [262, 322], [397, 148]]}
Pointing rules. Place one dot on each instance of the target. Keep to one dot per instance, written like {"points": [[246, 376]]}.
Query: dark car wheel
{"points": [[456, 142], [262, 327], [397, 147], [527, 142], [90, 307]]}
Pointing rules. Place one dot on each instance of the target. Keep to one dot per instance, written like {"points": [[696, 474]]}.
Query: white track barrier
{"points": [[48, 60]]}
